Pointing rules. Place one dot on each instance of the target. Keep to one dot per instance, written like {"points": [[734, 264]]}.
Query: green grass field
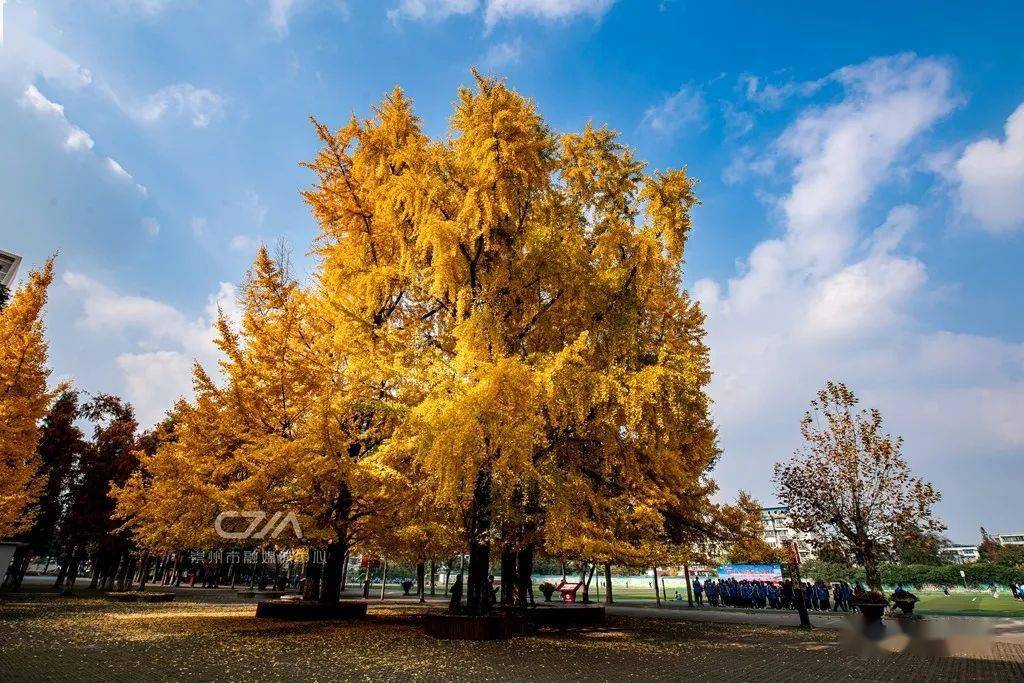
{"points": [[964, 603], [969, 603]]}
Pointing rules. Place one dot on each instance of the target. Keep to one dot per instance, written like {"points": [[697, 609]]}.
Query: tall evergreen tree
{"points": [[61, 446], [108, 460]]}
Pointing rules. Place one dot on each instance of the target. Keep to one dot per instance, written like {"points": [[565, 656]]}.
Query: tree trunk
{"points": [[478, 601], [18, 567], [177, 568], [508, 575], [366, 580], [344, 571], [433, 575], [74, 559], [588, 575], [421, 574], [62, 571], [871, 573], [311, 583], [329, 594], [657, 593], [124, 570], [384, 579], [524, 574], [608, 583], [94, 580], [689, 590], [144, 570]]}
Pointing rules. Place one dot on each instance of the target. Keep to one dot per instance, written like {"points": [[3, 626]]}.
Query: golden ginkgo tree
{"points": [[495, 351], [522, 324], [24, 400]]}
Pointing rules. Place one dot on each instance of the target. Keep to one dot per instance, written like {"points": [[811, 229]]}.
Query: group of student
{"points": [[775, 595]]}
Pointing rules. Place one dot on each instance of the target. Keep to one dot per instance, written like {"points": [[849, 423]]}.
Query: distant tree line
{"points": [[978, 574], [74, 517]]}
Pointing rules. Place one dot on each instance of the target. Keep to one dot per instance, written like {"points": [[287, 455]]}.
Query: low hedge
{"points": [[979, 574]]}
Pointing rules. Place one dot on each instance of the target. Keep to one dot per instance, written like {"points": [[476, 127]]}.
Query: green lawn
{"points": [[966, 603], [970, 603]]}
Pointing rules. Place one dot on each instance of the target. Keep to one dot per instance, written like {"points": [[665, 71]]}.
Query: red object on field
{"points": [[568, 590], [370, 562]]}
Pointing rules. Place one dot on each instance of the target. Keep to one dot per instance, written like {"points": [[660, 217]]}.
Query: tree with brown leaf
{"points": [[850, 486]]}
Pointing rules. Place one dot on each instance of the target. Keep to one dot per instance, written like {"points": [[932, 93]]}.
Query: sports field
{"points": [[966, 603]]}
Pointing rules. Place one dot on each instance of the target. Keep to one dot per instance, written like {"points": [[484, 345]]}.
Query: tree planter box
{"points": [[872, 613], [575, 615], [309, 611], [464, 627], [905, 606], [134, 596]]}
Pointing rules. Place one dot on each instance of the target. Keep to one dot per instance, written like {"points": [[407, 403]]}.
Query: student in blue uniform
{"points": [[712, 588], [821, 595], [698, 592], [808, 593], [747, 594], [774, 595]]}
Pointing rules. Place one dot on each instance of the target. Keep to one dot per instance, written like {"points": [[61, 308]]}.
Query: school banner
{"points": [[751, 572]]}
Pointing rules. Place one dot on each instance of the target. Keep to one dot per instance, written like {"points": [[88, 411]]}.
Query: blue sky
{"points": [[862, 178]]}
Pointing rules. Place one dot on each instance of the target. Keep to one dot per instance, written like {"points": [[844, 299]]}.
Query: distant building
{"points": [[8, 267], [778, 528], [960, 554], [1015, 538]]}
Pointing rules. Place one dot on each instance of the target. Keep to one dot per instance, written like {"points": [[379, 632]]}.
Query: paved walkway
{"points": [[1004, 629], [89, 639]]}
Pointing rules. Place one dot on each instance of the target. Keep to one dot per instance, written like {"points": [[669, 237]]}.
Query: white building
{"points": [[1015, 538], [778, 529], [8, 267], [960, 554]]}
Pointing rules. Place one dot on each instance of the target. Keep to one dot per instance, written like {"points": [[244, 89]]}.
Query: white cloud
{"points": [[747, 162], [78, 139], [842, 152], [151, 226], [29, 53], [243, 243], [737, 122], [154, 380], [496, 11], [499, 10], [117, 170], [38, 101], [505, 54], [991, 178], [279, 13], [254, 207], [200, 106], [75, 139], [770, 96], [166, 341], [828, 299], [198, 225], [430, 10], [145, 8], [683, 108]]}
